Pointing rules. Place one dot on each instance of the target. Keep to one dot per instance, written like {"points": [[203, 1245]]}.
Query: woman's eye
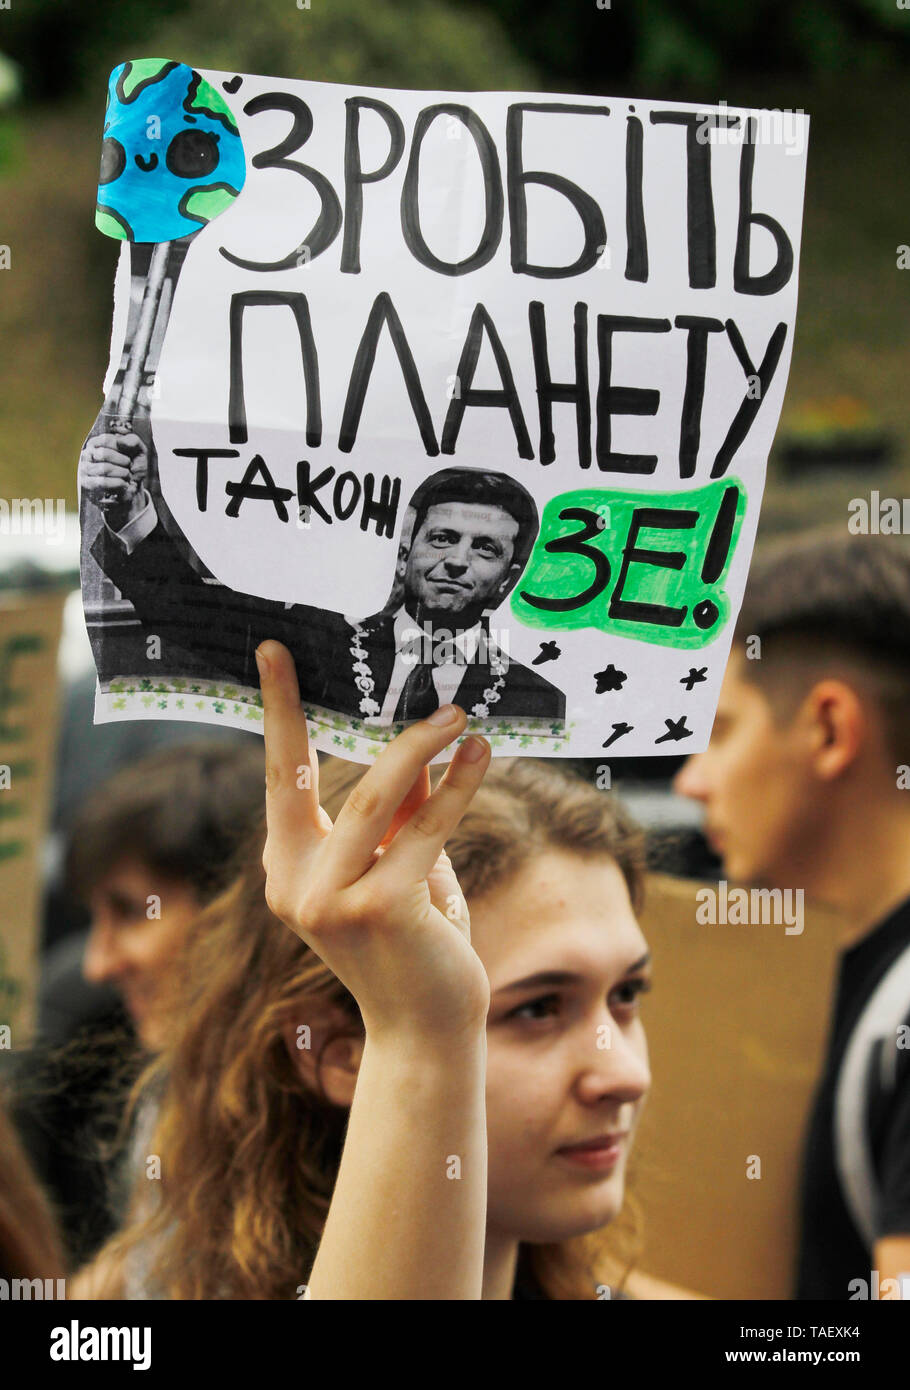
{"points": [[124, 909], [543, 1007], [627, 994], [127, 915]]}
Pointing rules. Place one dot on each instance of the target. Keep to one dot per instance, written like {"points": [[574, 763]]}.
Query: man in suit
{"points": [[470, 536]]}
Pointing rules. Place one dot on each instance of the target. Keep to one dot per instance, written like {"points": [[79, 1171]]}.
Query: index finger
{"points": [[291, 768]]}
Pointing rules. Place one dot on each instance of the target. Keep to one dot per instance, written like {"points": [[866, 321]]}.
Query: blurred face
{"points": [[131, 946], [567, 1060], [460, 561], [762, 805]]}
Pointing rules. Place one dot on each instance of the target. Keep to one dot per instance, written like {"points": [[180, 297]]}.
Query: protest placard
{"points": [[462, 396]]}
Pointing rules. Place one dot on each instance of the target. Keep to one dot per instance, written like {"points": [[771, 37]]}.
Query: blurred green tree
{"points": [[67, 49], [63, 46], [657, 43]]}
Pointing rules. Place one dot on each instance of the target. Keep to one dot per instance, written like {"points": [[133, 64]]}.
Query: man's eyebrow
{"points": [[565, 977]]}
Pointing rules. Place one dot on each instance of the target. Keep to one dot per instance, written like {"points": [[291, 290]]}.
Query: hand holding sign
{"points": [[112, 470]]}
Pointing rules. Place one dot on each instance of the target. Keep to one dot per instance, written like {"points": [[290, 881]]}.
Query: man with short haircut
{"points": [[806, 784]]}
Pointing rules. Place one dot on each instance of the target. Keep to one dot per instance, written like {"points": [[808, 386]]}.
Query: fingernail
{"points": [[473, 749], [446, 714], [262, 663]]}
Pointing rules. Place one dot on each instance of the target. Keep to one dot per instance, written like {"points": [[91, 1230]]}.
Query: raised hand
{"points": [[374, 895]]}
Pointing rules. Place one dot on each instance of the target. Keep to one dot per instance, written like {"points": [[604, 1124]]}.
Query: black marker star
{"points": [[618, 731], [676, 730], [694, 676], [610, 679], [548, 652]]}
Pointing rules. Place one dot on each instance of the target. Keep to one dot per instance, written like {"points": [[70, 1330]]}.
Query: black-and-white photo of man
{"points": [[466, 538]]}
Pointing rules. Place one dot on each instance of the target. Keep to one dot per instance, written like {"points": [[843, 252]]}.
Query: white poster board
{"points": [[463, 396]]}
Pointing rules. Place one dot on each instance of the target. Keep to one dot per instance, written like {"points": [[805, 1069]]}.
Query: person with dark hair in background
{"points": [[471, 537], [147, 850], [805, 785], [89, 754]]}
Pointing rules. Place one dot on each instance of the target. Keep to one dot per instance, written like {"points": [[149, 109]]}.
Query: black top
{"points": [[527, 1288], [832, 1252]]}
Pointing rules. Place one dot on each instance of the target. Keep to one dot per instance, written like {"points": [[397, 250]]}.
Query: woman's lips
{"points": [[136, 1000], [598, 1154]]}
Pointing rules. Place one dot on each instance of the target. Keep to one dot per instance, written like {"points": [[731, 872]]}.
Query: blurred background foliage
{"points": [[61, 44], [845, 62]]}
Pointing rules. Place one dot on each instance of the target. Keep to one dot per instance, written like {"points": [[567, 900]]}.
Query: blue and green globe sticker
{"points": [[171, 158]]}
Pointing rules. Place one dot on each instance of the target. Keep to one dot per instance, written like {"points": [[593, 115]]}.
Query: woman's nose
{"points": [[102, 960], [622, 1070]]}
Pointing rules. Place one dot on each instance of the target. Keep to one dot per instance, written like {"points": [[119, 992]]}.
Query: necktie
{"points": [[418, 697]]}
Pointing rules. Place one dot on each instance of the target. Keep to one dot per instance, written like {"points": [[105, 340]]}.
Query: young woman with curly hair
{"points": [[394, 1099]]}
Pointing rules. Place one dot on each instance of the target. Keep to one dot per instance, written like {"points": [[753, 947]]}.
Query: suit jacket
{"points": [[199, 620], [524, 693], [203, 626]]}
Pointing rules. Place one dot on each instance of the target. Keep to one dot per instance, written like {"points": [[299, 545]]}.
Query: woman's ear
{"points": [[325, 1052]]}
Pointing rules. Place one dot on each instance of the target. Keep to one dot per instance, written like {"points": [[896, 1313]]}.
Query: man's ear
{"points": [[325, 1052], [511, 579], [840, 726]]}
